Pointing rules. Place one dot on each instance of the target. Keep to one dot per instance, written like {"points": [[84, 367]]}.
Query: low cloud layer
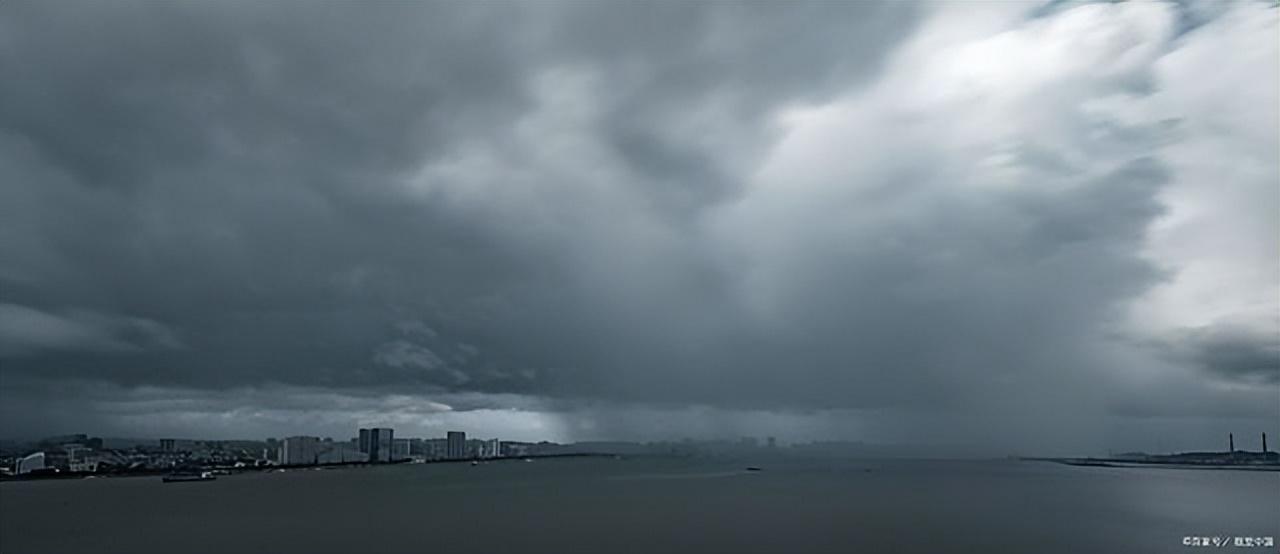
{"points": [[1056, 223], [27, 332]]}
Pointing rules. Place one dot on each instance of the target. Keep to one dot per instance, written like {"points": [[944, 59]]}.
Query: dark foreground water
{"points": [[649, 505]]}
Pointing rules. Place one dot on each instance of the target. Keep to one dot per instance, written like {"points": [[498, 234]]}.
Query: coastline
{"points": [[229, 470], [1157, 464]]}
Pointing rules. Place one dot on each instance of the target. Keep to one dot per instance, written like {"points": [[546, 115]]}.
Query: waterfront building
{"points": [[86, 466], [300, 450], [492, 449], [436, 449], [80, 458], [400, 449], [457, 445], [515, 448], [377, 443], [380, 444], [340, 453], [363, 440], [30, 463]]}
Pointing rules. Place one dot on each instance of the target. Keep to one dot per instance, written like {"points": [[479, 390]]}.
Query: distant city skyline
{"points": [[782, 435]]}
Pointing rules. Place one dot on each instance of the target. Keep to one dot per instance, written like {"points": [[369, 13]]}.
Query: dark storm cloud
{"points": [[592, 206], [1232, 352], [27, 331], [231, 170], [116, 94]]}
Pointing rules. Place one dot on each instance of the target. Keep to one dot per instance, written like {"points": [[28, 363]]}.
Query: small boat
{"points": [[753, 468], [185, 477], [475, 463]]}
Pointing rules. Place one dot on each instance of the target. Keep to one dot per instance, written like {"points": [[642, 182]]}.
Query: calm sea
{"points": [[650, 505]]}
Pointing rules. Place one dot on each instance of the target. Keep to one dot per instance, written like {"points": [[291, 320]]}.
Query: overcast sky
{"points": [[1028, 227]]}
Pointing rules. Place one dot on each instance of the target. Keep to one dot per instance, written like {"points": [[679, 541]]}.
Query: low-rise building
{"points": [[340, 453], [491, 448], [400, 449], [435, 449], [30, 463]]}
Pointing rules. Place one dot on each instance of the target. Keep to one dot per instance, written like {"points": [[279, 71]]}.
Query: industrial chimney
{"points": [[1231, 440], [1264, 444]]}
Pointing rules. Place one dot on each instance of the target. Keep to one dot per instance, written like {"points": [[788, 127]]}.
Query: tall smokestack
{"points": [[1264, 443], [1231, 439]]}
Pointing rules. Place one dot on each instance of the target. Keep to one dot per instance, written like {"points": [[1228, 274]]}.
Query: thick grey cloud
{"points": [[881, 214], [1237, 353], [24, 331]]}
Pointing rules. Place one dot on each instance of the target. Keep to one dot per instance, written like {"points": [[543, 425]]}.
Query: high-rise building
{"points": [[457, 448], [300, 451], [377, 443], [383, 442], [364, 440], [167, 445]]}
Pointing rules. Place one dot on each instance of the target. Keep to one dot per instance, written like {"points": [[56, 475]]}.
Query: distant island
{"points": [[1258, 461], [1263, 460]]}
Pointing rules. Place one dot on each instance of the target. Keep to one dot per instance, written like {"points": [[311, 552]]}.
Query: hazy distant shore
{"points": [[1165, 464]]}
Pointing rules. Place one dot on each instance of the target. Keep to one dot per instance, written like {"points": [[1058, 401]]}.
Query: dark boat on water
{"points": [[186, 477]]}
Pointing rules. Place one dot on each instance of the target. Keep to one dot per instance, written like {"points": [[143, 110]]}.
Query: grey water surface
{"points": [[661, 505]]}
